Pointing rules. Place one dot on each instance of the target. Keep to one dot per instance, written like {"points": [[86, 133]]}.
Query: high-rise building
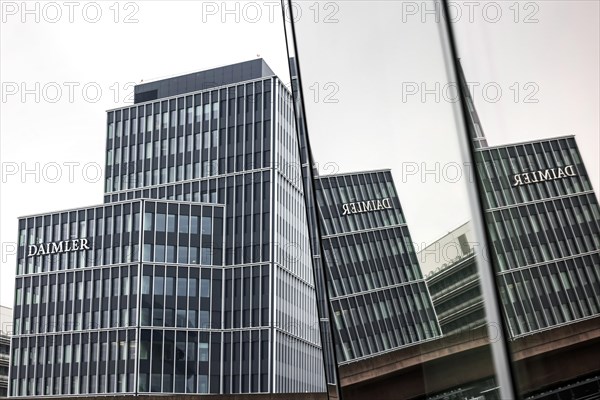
{"points": [[195, 275], [5, 332], [543, 220], [378, 296], [453, 281]]}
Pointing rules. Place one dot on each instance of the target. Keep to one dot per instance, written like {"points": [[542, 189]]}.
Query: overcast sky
{"points": [[534, 74], [362, 55]]}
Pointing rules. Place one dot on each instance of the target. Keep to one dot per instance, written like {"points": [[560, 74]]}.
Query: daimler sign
{"points": [[366, 206], [550, 174], [57, 247]]}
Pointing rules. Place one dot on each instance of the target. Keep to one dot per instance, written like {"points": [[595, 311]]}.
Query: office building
{"points": [[195, 275], [5, 332], [543, 221], [378, 295], [453, 281]]}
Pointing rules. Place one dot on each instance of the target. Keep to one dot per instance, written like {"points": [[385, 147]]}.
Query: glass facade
{"points": [[544, 224], [378, 295], [78, 311], [224, 296]]}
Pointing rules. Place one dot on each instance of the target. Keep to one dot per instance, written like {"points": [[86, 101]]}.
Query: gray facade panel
{"points": [[544, 222], [379, 298]]}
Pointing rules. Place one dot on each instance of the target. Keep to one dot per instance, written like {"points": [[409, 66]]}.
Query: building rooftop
{"points": [[529, 141], [201, 80], [352, 173]]}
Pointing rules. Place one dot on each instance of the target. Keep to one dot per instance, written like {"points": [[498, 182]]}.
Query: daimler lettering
{"points": [[366, 206], [550, 174], [57, 247]]}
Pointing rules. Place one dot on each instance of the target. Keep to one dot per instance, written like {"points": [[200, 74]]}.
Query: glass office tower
{"points": [[544, 224], [543, 221], [232, 311], [378, 295]]}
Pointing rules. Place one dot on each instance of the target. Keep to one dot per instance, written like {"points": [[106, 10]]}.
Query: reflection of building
{"points": [[5, 332], [453, 280], [377, 292], [197, 273], [543, 221], [544, 224]]}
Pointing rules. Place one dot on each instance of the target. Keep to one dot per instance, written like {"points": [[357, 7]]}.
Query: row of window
{"points": [[161, 222], [251, 138], [163, 175], [170, 301], [466, 322], [383, 320], [165, 120], [105, 229], [74, 364], [55, 355], [163, 148], [530, 157], [499, 165], [202, 362], [77, 321], [198, 113], [452, 279], [507, 195], [52, 292], [163, 290], [178, 254], [247, 198], [111, 383], [458, 302], [544, 231], [114, 255], [298, 366], [296, 311], [192, 351], [539, 297], [108, 225], [358, 263], [53, 307], [331, 200], [174, 302]]}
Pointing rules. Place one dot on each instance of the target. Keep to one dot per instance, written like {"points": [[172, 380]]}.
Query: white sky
{"points": [[381, 51], [366, 56]]}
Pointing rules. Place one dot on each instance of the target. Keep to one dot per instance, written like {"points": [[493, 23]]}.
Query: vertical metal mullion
{"points": [[274, 210], [490, 291], [138, 322]]}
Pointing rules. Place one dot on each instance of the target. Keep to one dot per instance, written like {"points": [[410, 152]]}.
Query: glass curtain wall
{"points": [[402, 236]]}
